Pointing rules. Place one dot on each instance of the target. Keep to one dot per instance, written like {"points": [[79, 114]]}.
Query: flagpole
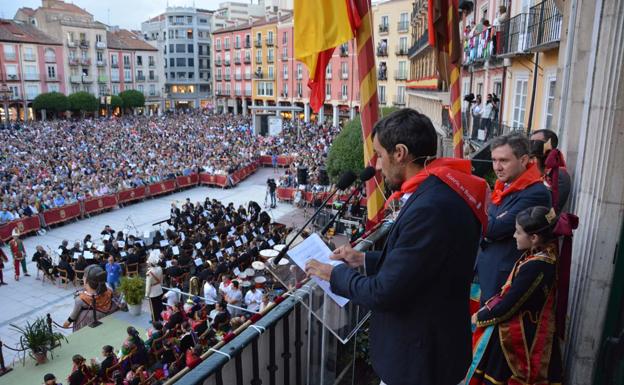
{"points": [[454, 83]]}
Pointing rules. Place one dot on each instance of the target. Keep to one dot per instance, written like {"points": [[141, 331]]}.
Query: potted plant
{"points": [[39, 338], [133, 289]]}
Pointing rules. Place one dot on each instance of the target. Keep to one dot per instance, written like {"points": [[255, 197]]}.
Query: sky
{"points": [[125, 13]]}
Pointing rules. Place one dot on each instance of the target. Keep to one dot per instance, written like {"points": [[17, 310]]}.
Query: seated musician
{"points": [[94, 288]]}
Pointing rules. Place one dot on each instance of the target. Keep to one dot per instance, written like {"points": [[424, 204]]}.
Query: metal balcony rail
{"points": [[544, 26], [513, 36]]}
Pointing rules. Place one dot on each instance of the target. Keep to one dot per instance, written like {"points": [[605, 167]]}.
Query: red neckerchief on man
{"points": [[457, 174], [529, 177]]}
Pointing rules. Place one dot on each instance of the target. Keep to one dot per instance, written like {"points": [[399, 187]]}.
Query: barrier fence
{"points": [[94, 205], [290, 194]]}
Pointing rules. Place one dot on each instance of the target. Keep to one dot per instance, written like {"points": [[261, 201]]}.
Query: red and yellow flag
{"points": [[443, 20], [319, 27]]}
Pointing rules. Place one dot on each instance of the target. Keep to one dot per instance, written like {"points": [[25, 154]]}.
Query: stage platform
{"points": [[87, 341]]}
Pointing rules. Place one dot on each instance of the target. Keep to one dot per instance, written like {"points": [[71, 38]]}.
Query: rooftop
{"points": [[18, 32], [126, 40]]}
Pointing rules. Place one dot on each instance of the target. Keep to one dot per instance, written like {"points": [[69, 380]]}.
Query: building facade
{"points": [[31, 63], [183, 36], [233, 70], [134, 65], [392, 34], [83, 39], [264, 48]]}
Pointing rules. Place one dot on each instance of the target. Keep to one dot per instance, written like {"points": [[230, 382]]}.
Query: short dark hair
{"points": [[548, 135], [519, 143], [107, 349], [411, 128], [534, 220]]}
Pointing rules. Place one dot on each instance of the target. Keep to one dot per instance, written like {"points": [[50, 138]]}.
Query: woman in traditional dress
{"points": [[94, 289], [515, 341]]}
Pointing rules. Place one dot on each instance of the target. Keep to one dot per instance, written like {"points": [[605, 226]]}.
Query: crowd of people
{"points": [[50, 164], [199, 280]]}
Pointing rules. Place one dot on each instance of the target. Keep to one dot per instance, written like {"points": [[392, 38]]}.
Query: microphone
{"points": [[365, 175], [346, 180]]}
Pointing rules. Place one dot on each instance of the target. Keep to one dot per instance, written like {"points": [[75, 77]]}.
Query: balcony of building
{"points": [[55, 78], [284, 57], [217, 47], [237, 61], [258, 43], [247, 59], [115, 64], [247, 44], [102, 79], [344, 51], [247, 92], [270, 42], [399, 100], [29, 56], [238, 77], [544, 26], [237, 45], [419, 45], [401, 51], [247, 76], [85, 61], [75, 78], [238, 92], [400, 75], [151, 64], [140, 78], [285, 75], [87, 79], [115, 79], [344, 75], [382, 73], [270, 59], [226, 62], [227, 77], [258, 75], [84, 44], [226, 47], [72, 43], [284, 95], [384, 28], [513, 36], [74, 61], [403, 26], [299, 75], [258, 59], [101, 63], [382, 50], [480, 47], [127, 65], [152, 94], [218, 77], [153, 78], [12, 77], [100, 45], [218, 62], [31, 76]]}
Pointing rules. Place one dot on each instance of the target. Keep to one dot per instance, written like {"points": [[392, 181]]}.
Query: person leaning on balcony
{"points": [[417, 286], [503, 16], [486, 116], [476, 110]]}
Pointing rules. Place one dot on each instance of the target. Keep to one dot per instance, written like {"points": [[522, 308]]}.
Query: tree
{"points": [[132, 99], [51, 102], [116, 101], [83, 102], [347, 151]]}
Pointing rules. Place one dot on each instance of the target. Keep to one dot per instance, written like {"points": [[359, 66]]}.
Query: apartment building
{"points": [[31, 63], [183, 37], [264, 52], [392, 35], [83, 39], [134, 65]]}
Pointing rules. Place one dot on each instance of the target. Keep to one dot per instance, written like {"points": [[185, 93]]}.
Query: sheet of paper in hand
{"points": [[313, 247]]}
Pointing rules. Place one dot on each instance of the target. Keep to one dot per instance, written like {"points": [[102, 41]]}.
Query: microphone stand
{"points": [[95, 322], [287, 247], [339, 212]]}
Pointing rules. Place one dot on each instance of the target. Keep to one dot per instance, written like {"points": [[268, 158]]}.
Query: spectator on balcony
{"points": [[486, 116], [502, 17], [476, 110]]}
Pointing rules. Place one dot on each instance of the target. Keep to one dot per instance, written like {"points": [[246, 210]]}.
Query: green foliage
{"points": [[347, 151], [116, 101], [132, 98], [51, 102], [133, 289], [83, 102], [385, 111], [38, 337]]}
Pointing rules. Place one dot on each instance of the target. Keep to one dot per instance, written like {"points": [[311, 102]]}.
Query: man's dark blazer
{"points": [[418, 288], [499, 251]]}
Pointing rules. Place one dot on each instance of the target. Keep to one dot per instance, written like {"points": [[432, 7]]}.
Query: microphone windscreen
{"points": [[346, 180], [367, 173]]}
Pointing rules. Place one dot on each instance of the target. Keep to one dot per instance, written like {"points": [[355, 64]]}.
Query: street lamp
{"points": [[5, 96]]}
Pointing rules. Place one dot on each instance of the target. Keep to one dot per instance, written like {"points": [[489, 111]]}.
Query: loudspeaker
{"points": [[323, 177], [302, 175]]}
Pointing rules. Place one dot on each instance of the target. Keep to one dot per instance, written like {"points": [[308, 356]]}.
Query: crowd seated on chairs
{"points": [[206, 250]]}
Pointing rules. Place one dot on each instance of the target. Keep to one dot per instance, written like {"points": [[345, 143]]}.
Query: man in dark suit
{"points": [[518, 186], [418, 286]]}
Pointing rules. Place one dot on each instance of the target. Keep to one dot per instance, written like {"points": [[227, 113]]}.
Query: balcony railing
{"points": [[544, 26], [344, 97], [237, 60], [102, 79], [100, 45], [247, 75], [258, 75], [140, 78], [258, 43], [382, 51], [247, 59], [399, 100], [115, 64], [152, 94], [400, 75], [238, 92], [238, 77], [74, 61], [480, 47], [284, 94], [513, 36], [101, 63], [71, 43], [226, 47], [226, 63], [218, 62], [285, 76], [87, 79], [270, 59], [382, 75], [403, 26], [299, 75], [419, 45], [247, 44], [227, 78], [218, 78], [127, 65], [85, 61], [384, 28], [153, 78], [151, 64], [84, 43], [218, 47], [247, 92], [344, 75], [29, 57], [31, 76], [75, 78], [115, 79], [258, 59], [382, 101], [270, 42], [400, 51], [55, 78]]}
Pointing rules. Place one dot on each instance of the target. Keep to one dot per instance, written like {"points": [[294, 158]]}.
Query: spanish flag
{"points": [[319, 27]]}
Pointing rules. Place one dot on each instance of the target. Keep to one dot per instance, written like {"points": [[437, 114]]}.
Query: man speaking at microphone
{"points": [[418, 286]]}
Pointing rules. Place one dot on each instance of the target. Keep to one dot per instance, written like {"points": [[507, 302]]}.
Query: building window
{"points": [[519, 103], [299, 89], [139, 60], [284, 37], [191, 62], [9, 52], [180, 62], [51, 72], [127, 75], [53, 87], [180, 48], [345, 91], [50, 55], [381, 90], [299, 71], [327, 90], [550, 101]]}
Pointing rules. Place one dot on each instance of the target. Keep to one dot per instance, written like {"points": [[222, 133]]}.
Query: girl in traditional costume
{"points": [[515, 341], [94, 288]]}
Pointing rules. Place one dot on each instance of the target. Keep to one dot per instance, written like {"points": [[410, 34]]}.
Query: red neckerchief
{"points": [[529, 177], [457, 174]]}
